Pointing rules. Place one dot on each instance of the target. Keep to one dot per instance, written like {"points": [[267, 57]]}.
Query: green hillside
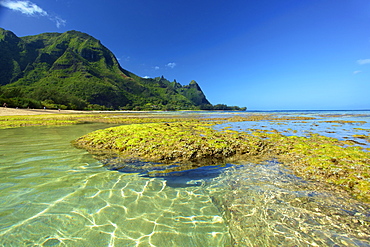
{"points": [[73, 70]]}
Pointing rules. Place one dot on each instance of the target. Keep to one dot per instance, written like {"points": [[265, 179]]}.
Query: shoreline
{"points": [[6, 111]]}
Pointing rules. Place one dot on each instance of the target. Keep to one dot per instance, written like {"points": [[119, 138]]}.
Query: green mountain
{"points": [[74, 70]]}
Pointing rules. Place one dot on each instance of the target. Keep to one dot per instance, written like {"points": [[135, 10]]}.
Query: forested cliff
{"points": [[73, 70]]}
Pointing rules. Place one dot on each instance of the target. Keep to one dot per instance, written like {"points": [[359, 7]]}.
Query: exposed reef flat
{"points": [[197, 143], [192, 140], [185, 141]]}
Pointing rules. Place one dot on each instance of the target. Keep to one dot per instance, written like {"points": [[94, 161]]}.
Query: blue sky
{"points": [[263, 54]]}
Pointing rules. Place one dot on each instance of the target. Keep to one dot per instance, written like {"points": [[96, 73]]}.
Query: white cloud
{"points": [[156, 67], [357, 71], [146, 77], [363, 61], [31, 9], [25, 7], [171, 65], [58, 21]]}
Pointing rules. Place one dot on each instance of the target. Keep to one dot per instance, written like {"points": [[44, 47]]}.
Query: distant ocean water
{"points": [[340, 124]]}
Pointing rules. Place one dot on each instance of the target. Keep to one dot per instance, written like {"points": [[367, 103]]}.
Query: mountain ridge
{"points": [[73, 70]]}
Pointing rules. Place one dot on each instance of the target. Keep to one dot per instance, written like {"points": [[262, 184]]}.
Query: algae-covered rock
{"points": [[324, 159], [173, 142], [196, 143]]}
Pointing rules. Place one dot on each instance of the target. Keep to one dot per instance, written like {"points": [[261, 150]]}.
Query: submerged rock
{"points": [[175, 175]]}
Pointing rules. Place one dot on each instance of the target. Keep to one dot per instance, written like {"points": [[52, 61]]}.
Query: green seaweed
{"points": [[67, 119], [36, 120], [192, 141], [314, 157], [324, 159]]}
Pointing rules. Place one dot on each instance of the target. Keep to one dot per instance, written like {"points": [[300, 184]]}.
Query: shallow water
{"points": [[266, 205], [323, 123], [53, 194]]}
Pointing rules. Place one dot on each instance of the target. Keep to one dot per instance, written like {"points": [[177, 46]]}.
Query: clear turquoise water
{"points": [[323, 123], [53, 194]]}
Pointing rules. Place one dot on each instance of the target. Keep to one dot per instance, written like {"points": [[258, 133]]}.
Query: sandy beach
{"points": [[6, 111]]}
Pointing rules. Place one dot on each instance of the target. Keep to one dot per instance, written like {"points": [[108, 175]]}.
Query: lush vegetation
{"points": [[73, 70], [221, 107]]}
